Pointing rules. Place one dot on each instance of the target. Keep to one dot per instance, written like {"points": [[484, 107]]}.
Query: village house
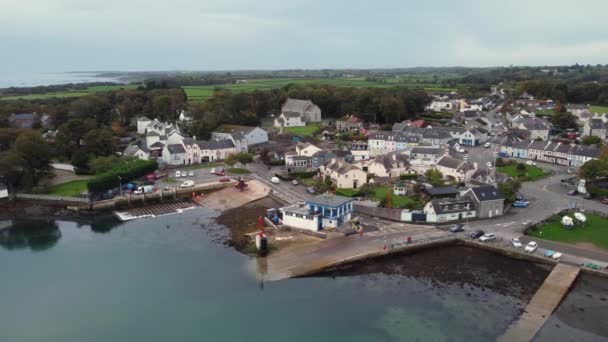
{"points": [[174, 154], [383, 142], [304, 109], [214, 150], [348, 123], [343, 174], [137, 152], [390, 165], [576, 109], [488, 200], [472, 137], [455, 169], [425, 155], [289, 120], [243, 137], [538, 128], [449, 209], [23, 121], [3, 191], [595, 127], [142, 124], [320, 212]]}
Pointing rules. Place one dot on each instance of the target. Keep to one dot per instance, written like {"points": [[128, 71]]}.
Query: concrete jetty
{"points": [[546, 299]]}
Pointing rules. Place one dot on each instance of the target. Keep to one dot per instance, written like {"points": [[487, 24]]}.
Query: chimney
{"points": [[475, 165]]}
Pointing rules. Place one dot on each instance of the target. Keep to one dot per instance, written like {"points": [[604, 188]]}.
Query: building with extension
{"points": [[28, 120], [214, 150], [449, 209], [318, 213], [390, 165], [289, 120], [242, 137], [344, 175], [455, 169], [348, 123], [425, 155], [488, 200], [305, 109], [538, 128], [137, 152]]}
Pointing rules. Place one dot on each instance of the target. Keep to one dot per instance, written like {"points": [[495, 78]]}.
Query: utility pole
{"points": [[120, 185]]}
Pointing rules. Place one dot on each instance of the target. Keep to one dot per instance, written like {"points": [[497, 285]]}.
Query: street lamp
{"points": [[120, 185]]}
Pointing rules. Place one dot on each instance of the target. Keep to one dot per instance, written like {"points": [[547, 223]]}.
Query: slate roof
{"points": [[157, 144], [234, 129], [329, 200], [487, 193], [297, 106], [340, 166], [533, 123], [597, 124], [442, 191], [130, 150], [426, 150], [445, 206], [215, 144], [153, 134], [176, 148]]}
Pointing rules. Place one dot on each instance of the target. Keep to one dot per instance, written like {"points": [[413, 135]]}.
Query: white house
{"points": [[538, 128], [318, 213], [390, 165], [289, 120], [243, 137], [457, 169], [425, 155], [137, 152], [306, 149], [343, 174], [472, 137], [449, 209], [305, 109], [213, 150], [595, 127], [174, 154], [142, 123]]}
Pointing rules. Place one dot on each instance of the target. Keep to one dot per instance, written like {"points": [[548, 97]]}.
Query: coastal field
{"points": [[70, 93], [594, 231]]}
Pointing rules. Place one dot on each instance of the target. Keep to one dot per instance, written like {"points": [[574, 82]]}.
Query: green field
{"points": [[545, 112], [307, 130], [595, 231], [72, 188], [532, 173], [599, 109], [71, 93], [201, 93], [381, 192]]}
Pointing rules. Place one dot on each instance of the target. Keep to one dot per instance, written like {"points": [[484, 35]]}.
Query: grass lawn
{"points": [[545, 112], [308, 181], [595, 231], [347, 192], [72, 188], [532, 173], [238, 171], [307, 130], [381, 192], [599, 109]]}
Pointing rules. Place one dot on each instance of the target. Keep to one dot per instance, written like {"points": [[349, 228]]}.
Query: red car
{"points": [[220, 173], [224, 179], [604, 200]]}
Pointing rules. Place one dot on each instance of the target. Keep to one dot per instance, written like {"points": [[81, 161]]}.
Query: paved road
{"points": [[284, 190]]}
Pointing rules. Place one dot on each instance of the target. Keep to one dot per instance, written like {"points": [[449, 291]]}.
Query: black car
{"points": [[455, 228], [476, 234]]}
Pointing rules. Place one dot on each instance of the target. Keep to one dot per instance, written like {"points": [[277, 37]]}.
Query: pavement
{"points": [[285, 190]]}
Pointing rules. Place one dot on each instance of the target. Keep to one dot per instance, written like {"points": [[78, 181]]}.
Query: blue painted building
{"points": [[320, 212]]}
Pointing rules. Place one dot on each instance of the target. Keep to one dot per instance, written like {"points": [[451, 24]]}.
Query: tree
{"points": [[99, 142], [593, 169], [592, 140], [434, 177], [509, 189], [242, 158], [104, 164], [564, 120], [12, 168], [35, 152], [521, 167]]}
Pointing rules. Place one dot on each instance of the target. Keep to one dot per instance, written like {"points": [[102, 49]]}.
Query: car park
{"points": [[515, 242], [187, 184], [531, 247], [476, 234], [487, 237]]}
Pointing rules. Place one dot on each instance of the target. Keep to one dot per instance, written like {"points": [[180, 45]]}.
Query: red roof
{"points": [[418, 123]]}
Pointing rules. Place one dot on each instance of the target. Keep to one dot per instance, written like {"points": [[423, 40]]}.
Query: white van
{"points": [[275, 180]]}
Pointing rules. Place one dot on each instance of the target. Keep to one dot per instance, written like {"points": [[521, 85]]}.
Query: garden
{"points": [[594, 231], [521, 171]]}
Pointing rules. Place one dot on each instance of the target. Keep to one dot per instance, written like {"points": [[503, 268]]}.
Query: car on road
{"points": [[489, 164], [530, 163], [462, 150], [295, 182], [220, 173], [520, 197], [486, 145], [310, 190], [516, 243], [455, 228], [212, 170], [191, 173], [531, 247], [520, 204], [476, 234], [275, 180], [487, 237], [604, 200], [572, 192], [224, 180], [503, 154], [178, 174], [187, 184]]}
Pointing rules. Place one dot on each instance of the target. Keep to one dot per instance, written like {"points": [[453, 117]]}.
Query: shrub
{"points": [[521, 167], [501, 162], [303, 174], [408, 176], [126, 172]]}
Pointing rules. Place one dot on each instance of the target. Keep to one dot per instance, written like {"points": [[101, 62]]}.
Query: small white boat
{"points": [[580, 217], [567, 221]]}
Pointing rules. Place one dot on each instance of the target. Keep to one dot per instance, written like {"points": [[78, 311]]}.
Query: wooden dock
{"points": [[545, 300]]}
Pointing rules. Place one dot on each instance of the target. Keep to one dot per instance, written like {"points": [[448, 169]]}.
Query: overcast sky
{"points": [[67, 35]]}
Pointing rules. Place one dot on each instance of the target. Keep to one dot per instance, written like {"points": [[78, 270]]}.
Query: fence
{"points": [[384, 213]]}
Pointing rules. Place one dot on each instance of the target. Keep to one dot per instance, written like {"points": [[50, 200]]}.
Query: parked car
{"points": [[572, 192], [520, 204], [462, 150], [530, 163], [486, 145], [275, 180], [178, 174], [604, 200], [224, 180], [587, 196], [187, 184], [520, 197], [220, 173], [516, 243], [455, 228], [294, 182], [531, 247], [212, 170], [487, 237], [476, 234], [489, 164], [191, 173], [503, 154], [310, 190]]}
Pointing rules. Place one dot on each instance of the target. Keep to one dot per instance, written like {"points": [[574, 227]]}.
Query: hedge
{"points": [[128, 172], [408, 176], [303, 174]]}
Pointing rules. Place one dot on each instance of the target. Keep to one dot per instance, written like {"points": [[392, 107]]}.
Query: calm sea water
{"points": [[169, 279], [32, 79]]}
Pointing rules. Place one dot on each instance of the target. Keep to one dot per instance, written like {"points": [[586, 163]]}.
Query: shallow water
{"points": [[171, 279]]}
